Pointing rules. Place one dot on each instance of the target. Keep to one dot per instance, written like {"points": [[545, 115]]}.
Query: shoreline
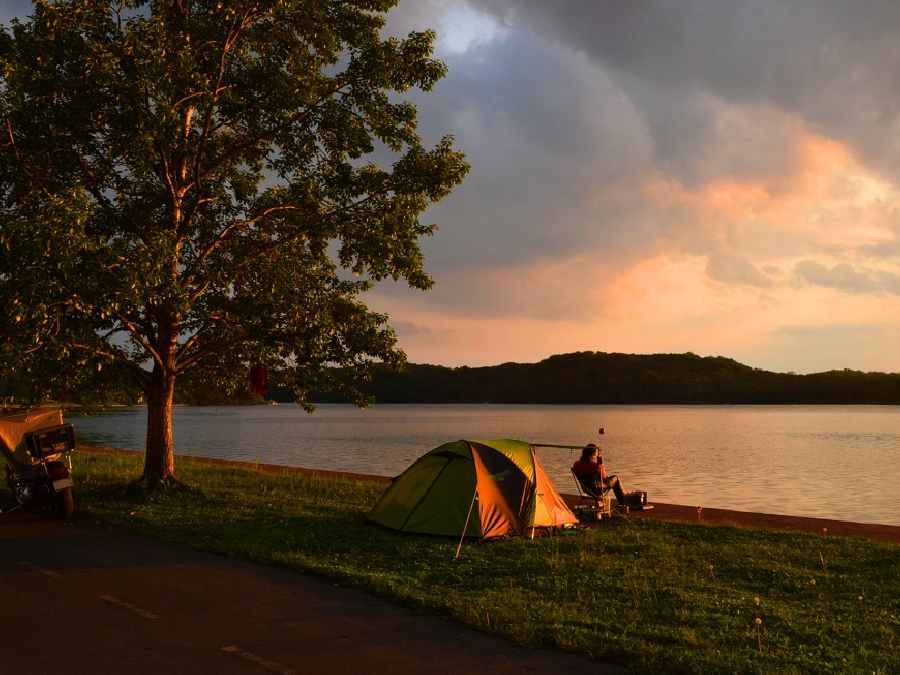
{"points": [[661, 511]]}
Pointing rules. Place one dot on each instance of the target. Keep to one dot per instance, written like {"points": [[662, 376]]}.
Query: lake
{"points": [[829, 461]]}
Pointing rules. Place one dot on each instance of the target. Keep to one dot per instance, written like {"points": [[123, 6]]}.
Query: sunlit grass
{"points": [[653, 595]]}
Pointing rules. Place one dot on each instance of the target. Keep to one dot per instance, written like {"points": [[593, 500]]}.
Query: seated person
{"points": [[592, 474]]}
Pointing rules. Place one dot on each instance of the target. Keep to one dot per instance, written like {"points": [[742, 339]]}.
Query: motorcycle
{"points": [[37, 446]]}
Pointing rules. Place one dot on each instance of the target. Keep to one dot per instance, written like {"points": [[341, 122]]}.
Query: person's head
{"points": [[589, 453]]}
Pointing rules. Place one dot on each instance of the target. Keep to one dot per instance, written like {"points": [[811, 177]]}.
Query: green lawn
{"points": [[655, 596]]}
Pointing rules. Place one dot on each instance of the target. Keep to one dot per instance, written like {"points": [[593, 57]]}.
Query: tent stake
{"points": [[466, 526]]}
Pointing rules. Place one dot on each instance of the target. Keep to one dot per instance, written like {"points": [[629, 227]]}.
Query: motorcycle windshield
{"points": [[14, 427]]}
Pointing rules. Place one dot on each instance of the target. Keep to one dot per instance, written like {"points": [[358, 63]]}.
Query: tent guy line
{"points": [[600, 432]]}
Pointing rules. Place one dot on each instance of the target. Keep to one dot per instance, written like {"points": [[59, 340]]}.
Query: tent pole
{"points": [[466, 526]]}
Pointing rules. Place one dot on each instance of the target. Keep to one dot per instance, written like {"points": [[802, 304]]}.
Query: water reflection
{"points": [[829, 461]]}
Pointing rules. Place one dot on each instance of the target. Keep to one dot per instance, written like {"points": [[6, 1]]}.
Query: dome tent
{"points": [[489, 488]]}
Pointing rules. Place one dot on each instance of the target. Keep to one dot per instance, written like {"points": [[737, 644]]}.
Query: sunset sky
{"points": [[714, 177]]}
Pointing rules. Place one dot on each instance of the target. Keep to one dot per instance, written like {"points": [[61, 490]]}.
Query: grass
{"points": [[652, 595]]}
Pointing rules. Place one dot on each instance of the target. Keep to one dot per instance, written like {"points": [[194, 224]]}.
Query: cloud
{"points": [[556, 153], [574, 152], [408, 328], [560, 289], [888, 281], [732, 269], [832, 63], [847, 278], [563, 153], [504, 250], [886, 249]]}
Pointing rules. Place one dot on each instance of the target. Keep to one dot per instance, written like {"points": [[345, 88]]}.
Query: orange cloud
{"points": [[832, 199]]}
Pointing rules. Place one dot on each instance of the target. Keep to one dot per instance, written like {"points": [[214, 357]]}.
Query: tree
{"points": [[185, 191]]}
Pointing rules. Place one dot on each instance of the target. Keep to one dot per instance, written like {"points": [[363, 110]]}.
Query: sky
{"points": [[670, 176], [713, 177]]}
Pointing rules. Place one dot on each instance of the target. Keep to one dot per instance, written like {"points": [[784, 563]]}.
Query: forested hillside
{"points": [[598, 377]]}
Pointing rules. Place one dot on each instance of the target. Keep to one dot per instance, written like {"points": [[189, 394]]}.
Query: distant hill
{"points": [[599, 377]]}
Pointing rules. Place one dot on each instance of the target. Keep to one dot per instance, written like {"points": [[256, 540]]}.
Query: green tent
{"points": [[498, 487]]}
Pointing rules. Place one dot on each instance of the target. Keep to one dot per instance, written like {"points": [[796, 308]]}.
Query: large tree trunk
{"points": [[159, 457]]}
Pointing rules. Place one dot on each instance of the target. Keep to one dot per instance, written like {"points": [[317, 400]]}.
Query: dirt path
{"points": [[82, 599]]}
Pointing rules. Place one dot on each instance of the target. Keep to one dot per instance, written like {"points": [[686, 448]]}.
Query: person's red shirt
{"points": [[589, 471]]}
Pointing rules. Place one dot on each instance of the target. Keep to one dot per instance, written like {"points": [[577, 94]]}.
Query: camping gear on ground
{"points": [[473, 488], [637, 500], [594, 501], [37, 446]]}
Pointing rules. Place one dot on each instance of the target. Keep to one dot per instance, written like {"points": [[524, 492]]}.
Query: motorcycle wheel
{"points": [[65, 503]]}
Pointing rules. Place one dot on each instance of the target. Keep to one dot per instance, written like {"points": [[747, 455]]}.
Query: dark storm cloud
{"points": [[560, 150], [560, 142], [697, 138], [691, 92], [835, 64], [549, 138]]}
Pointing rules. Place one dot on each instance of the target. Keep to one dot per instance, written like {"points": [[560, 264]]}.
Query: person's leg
{"points": [[616, 485]]}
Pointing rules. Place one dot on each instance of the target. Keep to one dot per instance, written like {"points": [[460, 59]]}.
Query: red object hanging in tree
{"points": [[259, 380]]}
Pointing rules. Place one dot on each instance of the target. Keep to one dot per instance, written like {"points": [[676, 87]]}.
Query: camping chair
{"points": [[600, 501]]}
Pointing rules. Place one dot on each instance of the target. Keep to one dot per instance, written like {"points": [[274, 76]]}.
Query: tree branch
{"points": [[142, 339], [265, 250], [190, 362], [227, 232], [187, 346], [115, 354], [92, 186], [201, 351], [12, 141], [112, 332], [238, 148], [167, 177]]}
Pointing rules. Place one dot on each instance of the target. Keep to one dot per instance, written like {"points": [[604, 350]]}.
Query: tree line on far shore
{"points": [[610, 378]]}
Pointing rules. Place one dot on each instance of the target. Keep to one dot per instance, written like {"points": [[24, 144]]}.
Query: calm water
{"points": [[830, 461]]}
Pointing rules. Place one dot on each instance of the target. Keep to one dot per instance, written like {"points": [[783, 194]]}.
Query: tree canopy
{"points": [[191, 188]]}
